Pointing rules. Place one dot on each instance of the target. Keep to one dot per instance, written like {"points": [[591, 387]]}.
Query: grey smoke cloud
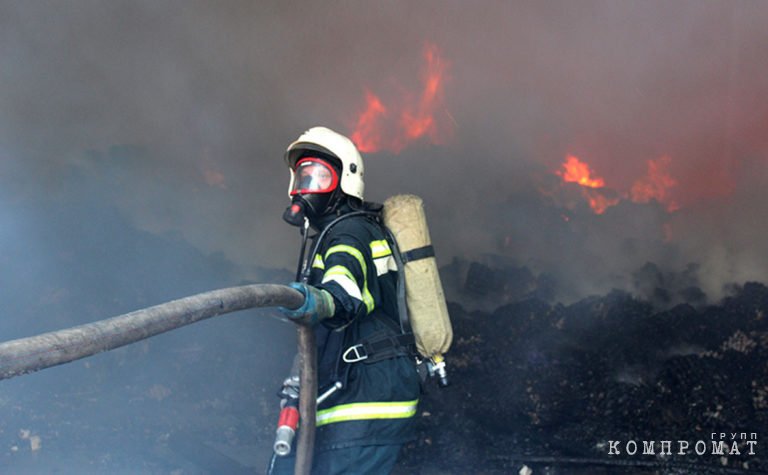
{"points": [[179, 112]]}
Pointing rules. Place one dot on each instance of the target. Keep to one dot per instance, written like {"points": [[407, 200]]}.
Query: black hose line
{"points": [[307, 399], [27, 355], [31, 354]]}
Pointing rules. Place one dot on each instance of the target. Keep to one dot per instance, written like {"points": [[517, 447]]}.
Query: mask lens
{"points": [[312, 175]]}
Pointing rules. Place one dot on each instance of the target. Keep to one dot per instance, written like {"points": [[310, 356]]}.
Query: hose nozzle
{"points": [[284, 441], [286, 430]]}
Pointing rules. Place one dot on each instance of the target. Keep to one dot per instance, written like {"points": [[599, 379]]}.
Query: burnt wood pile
{"points": [[549, 386]]}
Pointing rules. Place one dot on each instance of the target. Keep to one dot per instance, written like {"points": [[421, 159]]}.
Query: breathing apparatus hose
{"points": [[27, 355]]}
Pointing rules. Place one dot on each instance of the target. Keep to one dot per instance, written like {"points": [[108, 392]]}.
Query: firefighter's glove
{"points": [[318, 305]]}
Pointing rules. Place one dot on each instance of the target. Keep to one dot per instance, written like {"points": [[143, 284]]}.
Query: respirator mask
{"points": [[314, 188]]}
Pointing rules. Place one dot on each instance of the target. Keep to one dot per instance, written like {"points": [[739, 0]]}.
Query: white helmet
{"points": [[322, 139]]}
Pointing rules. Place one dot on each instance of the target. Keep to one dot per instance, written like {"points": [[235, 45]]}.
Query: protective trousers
{"points": [[361, 459]]}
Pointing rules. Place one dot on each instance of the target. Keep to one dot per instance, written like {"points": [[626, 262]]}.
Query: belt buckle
{"points": [[358, 353]]}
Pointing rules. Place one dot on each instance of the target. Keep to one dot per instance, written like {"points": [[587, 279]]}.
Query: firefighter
{"points": [[351, 298]]}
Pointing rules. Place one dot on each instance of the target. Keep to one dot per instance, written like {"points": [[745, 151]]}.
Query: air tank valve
{"points": [[436, 366]]}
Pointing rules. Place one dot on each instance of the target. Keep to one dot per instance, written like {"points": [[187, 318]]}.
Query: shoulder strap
{"points": [[402, 305], [318, 242]]}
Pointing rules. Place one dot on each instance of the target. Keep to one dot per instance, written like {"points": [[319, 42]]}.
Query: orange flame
{"points": [[576, 171], [598, 201], [421, 121], [655, 185], [367, 136], [392, 128]]}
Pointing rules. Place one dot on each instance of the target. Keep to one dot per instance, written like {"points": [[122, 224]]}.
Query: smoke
{"points": [[141, 142]]}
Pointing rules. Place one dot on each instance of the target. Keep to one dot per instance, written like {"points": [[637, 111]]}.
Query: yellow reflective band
{"points": [[362, 411], [318, 263], [384, 265], [339, 270], [367, 297], [349, 250], [342, 276], [380, 248]]}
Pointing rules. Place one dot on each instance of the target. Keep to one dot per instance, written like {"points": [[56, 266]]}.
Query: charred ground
{"points": [[549, 385]]}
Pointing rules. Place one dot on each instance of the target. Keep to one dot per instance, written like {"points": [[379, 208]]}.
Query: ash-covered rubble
{"points": [[494, 280], [549, 386]]}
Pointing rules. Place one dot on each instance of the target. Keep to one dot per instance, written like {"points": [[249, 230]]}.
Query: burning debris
{"points": [[576, 171], [552, 386], [655, 185]]}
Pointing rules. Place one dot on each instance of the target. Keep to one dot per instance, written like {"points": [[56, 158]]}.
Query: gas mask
{"points": [[314, 192]]}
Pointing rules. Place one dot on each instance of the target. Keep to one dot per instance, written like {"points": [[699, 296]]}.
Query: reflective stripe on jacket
{"points": [[379, 401]]}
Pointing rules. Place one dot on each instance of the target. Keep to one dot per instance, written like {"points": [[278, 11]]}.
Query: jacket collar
{"points": [[321, 222]]}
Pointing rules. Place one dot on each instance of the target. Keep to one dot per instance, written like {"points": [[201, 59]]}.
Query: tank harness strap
{"points": [[418, 253], [381, 346], [402, 306]]}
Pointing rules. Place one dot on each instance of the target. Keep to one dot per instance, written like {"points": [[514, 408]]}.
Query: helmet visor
{"points": [[313, 175]]}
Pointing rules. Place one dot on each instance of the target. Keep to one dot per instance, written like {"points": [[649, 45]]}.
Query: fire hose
{"points": [[27, 355]]}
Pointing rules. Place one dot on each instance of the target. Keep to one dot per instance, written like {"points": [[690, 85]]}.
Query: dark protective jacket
{"points": [[378, 402]]}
